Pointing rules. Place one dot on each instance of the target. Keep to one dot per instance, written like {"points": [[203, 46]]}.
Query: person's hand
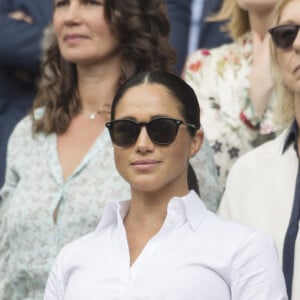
{"points": [[20, 16], [260, 78]]}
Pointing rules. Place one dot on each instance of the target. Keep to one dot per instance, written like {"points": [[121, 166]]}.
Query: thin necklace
{"points": [[92, 115]]}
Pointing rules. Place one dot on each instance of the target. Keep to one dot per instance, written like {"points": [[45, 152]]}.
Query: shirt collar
{"points": [[193, 209], [113, 212], [291, 137], [189, 206]]}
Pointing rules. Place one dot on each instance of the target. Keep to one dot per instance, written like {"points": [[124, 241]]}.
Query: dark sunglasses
{"points": [[162, 131], [284, 36]]}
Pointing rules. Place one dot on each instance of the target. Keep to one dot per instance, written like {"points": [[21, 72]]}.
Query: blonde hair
{"points": [[285, 108], [238, 19]]}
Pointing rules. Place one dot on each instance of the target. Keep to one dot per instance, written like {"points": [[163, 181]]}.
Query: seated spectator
{"points": [[233, 84], [190, 29], [21, 30], [211, 33], [163, 243], [60, 169], [263, 187]]}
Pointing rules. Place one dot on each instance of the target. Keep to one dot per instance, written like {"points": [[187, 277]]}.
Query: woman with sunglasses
{"points": [[263, 188], [233, 83], [60, 170], [163, 243]]}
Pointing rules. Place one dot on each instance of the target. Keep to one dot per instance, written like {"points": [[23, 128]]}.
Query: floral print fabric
{"points": [[219, 77], [40, 211]]}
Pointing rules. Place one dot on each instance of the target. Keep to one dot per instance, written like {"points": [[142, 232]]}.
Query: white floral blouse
{"points": [[40, 211], [219, 78]]}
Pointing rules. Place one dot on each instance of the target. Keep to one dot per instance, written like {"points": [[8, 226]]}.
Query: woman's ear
{"points": [[196, 143]]}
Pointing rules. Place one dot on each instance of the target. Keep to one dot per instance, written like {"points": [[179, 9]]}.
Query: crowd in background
{"points": [[58, 169]]}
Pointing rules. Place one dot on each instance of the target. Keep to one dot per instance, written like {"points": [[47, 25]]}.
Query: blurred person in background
{"points": [[190, 28], [60, 167], [233, 83], [22, 23], [263, 187]]}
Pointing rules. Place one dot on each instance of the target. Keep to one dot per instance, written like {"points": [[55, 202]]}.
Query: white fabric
{"points": [[260, 193], [195, 255], [35, 191]]}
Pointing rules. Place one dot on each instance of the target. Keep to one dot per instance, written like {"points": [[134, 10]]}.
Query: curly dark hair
{"points": [[142, 30]]}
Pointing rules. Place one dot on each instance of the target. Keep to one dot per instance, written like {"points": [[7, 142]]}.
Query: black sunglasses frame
{"points": [[137, 131], [284, 41]]}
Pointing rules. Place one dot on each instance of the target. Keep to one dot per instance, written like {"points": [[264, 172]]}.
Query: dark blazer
{"points": [[179, 12], [210, 35], [20, 51]]}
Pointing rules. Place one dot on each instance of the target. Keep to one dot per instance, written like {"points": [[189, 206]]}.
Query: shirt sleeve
{"points": [[256, 272], [11, 174], [5, 194], [4, 255], [55, 284]]}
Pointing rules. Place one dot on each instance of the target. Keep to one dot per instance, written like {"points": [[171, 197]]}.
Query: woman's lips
{"points": [[144, 164], [297, 69], [73, 38]]}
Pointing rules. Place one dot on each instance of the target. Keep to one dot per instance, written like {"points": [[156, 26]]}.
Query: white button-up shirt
{"points": [[260, 192], [195, 255]]}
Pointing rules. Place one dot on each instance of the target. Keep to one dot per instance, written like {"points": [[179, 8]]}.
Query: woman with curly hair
{"points": [[60, 167]]}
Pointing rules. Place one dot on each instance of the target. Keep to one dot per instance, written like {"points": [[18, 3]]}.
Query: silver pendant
{"points": [[92, 116]]}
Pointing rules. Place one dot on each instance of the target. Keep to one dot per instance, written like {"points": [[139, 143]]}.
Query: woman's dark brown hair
{"points": [[185, 98], [142, 29]]}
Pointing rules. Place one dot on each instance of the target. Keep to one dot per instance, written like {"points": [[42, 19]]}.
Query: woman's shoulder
{"points": [[207, 58], [24, 128], [77, 249], [238, 236], [263, 155]]}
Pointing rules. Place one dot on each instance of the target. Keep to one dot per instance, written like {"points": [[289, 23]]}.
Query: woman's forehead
{"points": [[150, 98], [290, 12]]}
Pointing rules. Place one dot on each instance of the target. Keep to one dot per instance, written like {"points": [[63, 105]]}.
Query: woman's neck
{"points": [[149, 211], [97, 86], [96, 92], [259, 23], [146, 216], [150, 208]]}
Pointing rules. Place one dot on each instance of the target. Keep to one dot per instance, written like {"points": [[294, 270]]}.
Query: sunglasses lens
{"points": [[163, 131], [124, 132], [284, 36]]}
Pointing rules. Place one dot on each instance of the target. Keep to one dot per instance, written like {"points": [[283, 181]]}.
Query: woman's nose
{"points": [[72, 14], [296, 44], [144, 142]]}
